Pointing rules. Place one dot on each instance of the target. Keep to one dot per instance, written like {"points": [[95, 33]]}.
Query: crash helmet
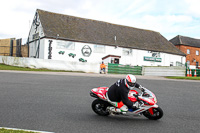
{"points": [[130, 81]]}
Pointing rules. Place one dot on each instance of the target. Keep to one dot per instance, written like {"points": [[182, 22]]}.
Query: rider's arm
{"points": [[140, 87], [125, 100]]}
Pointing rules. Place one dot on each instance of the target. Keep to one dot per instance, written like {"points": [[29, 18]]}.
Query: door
{"points": [[116, 61], [197, 65]]}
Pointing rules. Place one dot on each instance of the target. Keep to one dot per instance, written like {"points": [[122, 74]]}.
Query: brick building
{"points": [[191, 47]]}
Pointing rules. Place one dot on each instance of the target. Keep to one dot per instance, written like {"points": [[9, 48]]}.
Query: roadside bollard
{"points": [[195, 73], [190, 73]]}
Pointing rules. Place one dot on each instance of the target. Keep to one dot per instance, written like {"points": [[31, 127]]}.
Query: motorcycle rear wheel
{"points": [[100, 107], [157, 114]]}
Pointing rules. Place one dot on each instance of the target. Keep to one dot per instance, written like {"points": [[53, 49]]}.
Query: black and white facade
{"points": [[51, 37]]}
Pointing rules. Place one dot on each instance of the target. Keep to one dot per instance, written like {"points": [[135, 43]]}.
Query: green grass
{"points": [[187, 78], [8, 67], [2, 130]]}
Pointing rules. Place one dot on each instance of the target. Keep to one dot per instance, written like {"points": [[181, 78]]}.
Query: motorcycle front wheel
{"points": [[100, 107], [157, 114]]}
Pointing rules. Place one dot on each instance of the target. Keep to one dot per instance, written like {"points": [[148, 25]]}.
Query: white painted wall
{"points": [[36, 29], [136, 58], [192, 67], [50, 64]]}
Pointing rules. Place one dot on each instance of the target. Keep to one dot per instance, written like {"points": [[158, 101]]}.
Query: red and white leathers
{"points": [[118, 92]]}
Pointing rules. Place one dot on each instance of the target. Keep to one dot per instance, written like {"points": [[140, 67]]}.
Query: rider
{"points": [[119, 92]]}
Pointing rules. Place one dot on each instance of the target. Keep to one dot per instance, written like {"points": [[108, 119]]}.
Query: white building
{"points": [[62, 37]]}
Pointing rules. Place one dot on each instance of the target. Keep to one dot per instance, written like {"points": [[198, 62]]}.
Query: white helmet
{"points": [[130, 81]]}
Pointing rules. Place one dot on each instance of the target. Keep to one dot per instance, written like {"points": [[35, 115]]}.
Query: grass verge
{"points": [[2, 130], [8, 67], [187, 78]]}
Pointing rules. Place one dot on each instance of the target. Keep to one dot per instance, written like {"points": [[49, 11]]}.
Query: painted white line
{"points": [[25, 130]]}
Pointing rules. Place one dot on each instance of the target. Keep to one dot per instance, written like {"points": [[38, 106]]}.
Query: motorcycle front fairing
{"points": [[150, 99]]}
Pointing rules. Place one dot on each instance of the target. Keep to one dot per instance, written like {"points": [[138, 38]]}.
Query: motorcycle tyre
{"points": [[103, 106], [152, 117]]}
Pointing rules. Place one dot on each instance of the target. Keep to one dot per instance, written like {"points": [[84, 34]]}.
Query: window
{"points": [[156, 54], [99, 48], [179, 63], [127, 51], [171, 64], [65, 45], [188, 63], [188, 51], [35, 36], [197, 65], [197, 52]]}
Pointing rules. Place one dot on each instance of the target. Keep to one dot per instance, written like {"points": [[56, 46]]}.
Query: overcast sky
{"points": [[169, 17]]}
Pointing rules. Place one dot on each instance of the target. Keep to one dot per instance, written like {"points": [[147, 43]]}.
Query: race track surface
{"points": [[61, 103]]}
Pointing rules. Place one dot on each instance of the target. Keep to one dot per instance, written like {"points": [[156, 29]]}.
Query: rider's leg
{"points": [[119, 105]]}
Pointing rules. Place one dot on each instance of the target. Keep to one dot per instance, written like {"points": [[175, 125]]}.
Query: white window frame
{"points": [[156, 54], [197, 52], [188, 51]]}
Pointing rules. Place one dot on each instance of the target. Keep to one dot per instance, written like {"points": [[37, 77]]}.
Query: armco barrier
{"points": [[124, 69]]}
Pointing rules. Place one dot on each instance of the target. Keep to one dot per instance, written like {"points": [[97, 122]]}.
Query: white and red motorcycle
{"points": [[147, 99]]}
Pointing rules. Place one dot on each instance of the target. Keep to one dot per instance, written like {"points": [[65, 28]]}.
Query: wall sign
{"points": [[72, 55], [152, 59], [86, 51], [35, 36]]}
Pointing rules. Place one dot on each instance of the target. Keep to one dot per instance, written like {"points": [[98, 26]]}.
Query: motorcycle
{"points": [[103, 107]]}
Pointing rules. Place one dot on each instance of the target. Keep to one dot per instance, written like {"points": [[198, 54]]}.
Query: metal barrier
{"points": [[124, 69]]}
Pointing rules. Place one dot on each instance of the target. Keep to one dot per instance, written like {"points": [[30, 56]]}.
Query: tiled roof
{"points": [[103, 33], [182, 40]]}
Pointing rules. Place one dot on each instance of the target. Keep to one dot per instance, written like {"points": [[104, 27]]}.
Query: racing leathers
{"points": [[119, 92]]}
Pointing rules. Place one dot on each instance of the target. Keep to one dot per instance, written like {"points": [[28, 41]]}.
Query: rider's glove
{"points": [[136, 96], [142, 88]]}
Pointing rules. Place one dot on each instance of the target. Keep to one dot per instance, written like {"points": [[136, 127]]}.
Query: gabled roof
{"points": [[103, 33], [182, 40], [116, 56]]}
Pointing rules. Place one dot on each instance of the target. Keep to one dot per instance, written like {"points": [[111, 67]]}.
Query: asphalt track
{"points": [[60, 103]]}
